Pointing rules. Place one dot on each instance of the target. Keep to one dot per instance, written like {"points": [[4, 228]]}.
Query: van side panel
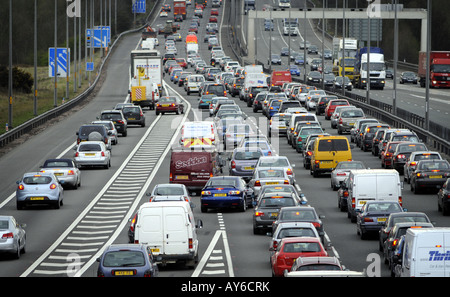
{"points": [[388, 187]]}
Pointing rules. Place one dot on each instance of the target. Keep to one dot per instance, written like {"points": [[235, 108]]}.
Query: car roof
{"points": [[122, 246]]}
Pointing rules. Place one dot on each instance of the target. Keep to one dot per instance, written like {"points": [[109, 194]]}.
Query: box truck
{"points": [[439, 69]]}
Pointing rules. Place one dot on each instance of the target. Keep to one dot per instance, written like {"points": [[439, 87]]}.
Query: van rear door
{"points": [[431, 255], [191, 168], [175, 231], [388, 187], [150, 229], [367, 190]]}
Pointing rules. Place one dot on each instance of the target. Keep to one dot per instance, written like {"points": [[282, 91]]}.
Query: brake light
{"points": [[401, 156], [191, 243], [77, 154], [234, 192], [71, 172], [316, 224], [53, 186], [400, 200], [103, 154], [275, 244], [259, 213], [368, 219], [341, 174], [269, 153], [289, 171], [353, 202], [413, 164], [21, 187], [345, 194], [206, 193], [257, 183], [8, 235], [170, 177], [233, 164], [286, 182]]}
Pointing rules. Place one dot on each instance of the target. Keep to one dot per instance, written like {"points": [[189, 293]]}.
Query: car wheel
{"points": [[244, 205], [124, 134]]}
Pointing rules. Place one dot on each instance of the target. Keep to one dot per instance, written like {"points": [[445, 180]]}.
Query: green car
{"points": [[303, 135]]}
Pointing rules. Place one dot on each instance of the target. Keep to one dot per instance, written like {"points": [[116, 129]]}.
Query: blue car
{"points": [[268, 26], [224, 192], [127, 260], [204, 101], [294, 70], [299, 60]]}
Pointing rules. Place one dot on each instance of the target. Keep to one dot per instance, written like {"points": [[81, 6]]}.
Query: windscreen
{"points": [[327, 145]]}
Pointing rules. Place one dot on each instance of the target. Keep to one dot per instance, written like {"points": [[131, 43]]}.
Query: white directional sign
{"points": [[62, 62]]}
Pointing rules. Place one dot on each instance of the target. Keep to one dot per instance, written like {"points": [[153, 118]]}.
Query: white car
{"points": [[163, 13], [93, 153], [170, 192]]}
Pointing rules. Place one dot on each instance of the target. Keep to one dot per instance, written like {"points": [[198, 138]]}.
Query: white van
{"points": [[363, 185], [169, 230], [198, 133], [426, 253]]}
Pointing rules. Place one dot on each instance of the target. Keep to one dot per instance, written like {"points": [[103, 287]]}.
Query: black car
{"points": [[268, 207], [134, 115], [312, 49], [257, 102], [300, 214], [314, 77], [444, 198], [253, 91], [402, 153], [408, 77], [399, 217], [85, 130], [235, 86], [322, 103], [315, 64], [392, 241], [218, 89], [116, 116], [430, 174], [389, 73]]}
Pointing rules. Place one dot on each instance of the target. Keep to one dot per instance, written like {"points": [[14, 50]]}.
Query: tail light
{"points": [[77, 154], [299, 139], [395, 242], [234, 192], [289, 171], [269, 153], [345, 194], [367, 220], [170, 177], [206, 193], [353, 202], [400, 200], [340, 121], [259, 214], [413, 164], [401, 156], [341, 174], [275, 244], [21, 187], [309, 153], [53, 186], [148, 273], [257, 183], [191, 243], [286, 182], [103, 154], [316, 224], [71, 172], [233, 164], [8, 235]]}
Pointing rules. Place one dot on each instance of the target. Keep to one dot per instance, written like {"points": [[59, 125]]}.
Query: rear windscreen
{"points": [[327, 145]]}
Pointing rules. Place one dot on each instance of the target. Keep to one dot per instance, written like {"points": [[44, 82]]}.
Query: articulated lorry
{"points": [[377, 68], [439, 69], [179, 8]]}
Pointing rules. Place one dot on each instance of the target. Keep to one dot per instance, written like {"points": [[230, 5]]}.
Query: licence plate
{"points": [[36, 198], [131, 119], [435, 176], [351, 124], [89, 154], [362, 202], [274, 214], [166, 105], [181, 177], [281, 127], [381, 220], [124, 272], [326, 161], [271, 183], [59, 174], [220, 195], [248, 168], [155, 250]]}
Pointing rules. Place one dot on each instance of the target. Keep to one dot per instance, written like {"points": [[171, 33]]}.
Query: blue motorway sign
{"points": [[90, 66], [139, 6], [62, 62], [98, 37]]}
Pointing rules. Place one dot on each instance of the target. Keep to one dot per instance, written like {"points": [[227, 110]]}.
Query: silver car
{"points": [[12, 236], [65, 170], [93, 153], [342, 171], [39, 188], [243, 162], [336, 114], [347, 119], [278, 161], [267, 176], [170, 192], [235, 133]]}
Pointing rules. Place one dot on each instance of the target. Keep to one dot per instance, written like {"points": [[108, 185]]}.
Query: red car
{"points": [[387, 153], [169, 104], [290, 248], [329, 110], [182, 62], [213, 19], [214, 11]]}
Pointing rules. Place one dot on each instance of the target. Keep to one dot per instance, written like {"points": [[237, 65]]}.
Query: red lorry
{"points": [[179, 7], [439, 69], [279, 77]]}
